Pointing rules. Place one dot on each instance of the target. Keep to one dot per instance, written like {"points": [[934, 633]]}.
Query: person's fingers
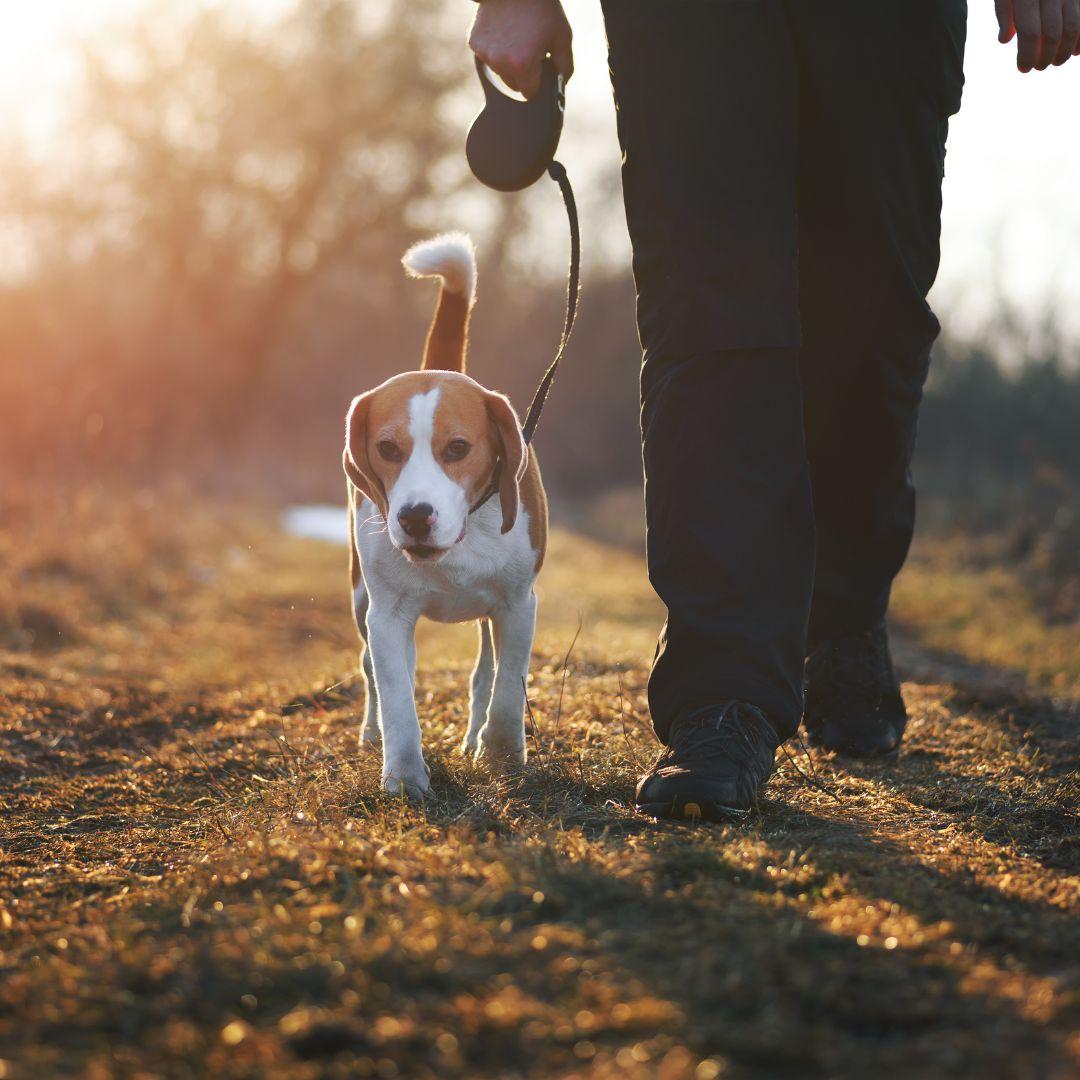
{"points": [[525, 74], [1028, 32], [1006, 29], [518, 71], [1070, 33], [1050, 18], [513, 38]]}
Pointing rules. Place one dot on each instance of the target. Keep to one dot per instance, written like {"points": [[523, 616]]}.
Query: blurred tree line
{"points": [[205, 272], [208, 268]]}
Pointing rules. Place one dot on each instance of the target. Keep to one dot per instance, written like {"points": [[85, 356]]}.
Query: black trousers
{"points": [[782, 174]]}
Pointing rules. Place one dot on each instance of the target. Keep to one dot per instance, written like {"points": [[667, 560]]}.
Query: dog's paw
{"points": [[502, 756], [471, 742], [412, 779], [370, 736]]}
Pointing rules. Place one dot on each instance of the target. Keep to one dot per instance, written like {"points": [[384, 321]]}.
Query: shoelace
{"points": [[698, 737], [731, 732]]}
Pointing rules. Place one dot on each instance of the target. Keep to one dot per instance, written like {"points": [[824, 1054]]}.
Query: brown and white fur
{"points": [[420, 450]]}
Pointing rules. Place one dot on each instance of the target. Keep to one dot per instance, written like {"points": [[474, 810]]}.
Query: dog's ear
{"points": [[513, 455], [355, 458]]}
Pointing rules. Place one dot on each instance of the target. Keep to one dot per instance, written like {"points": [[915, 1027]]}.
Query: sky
{"points": [[1011, 221]]}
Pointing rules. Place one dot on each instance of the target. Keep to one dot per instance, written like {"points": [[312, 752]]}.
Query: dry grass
{"points": [[200, 876], [964, 598]]}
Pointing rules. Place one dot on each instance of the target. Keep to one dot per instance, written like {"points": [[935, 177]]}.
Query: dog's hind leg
{"points": [[369, 729], [483, 678]]}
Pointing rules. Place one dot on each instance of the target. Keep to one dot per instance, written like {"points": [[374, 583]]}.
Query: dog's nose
{"points": [[417, 520]]}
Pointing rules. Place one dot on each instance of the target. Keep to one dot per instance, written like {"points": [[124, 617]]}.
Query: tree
{"points": [[217, 171]]}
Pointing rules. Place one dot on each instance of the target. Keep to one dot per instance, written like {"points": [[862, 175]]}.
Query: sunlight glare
{"points": [[37, 62]]}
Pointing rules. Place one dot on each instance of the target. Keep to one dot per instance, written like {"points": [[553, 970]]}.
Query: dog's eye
{"points": [[388, 450], [456, 449]]}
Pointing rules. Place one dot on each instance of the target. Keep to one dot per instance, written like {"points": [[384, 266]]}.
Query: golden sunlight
{"points": [[37, 61]]}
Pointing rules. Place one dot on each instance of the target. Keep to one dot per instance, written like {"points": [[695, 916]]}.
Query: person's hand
{"points": [[1047, 31], [513, 36]]}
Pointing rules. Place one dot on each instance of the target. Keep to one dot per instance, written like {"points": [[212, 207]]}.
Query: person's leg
{"points": [[730, 531], [877, 85], [706, 102]]}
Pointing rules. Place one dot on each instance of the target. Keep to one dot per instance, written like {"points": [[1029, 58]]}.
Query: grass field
{"points": [[200, 876]]}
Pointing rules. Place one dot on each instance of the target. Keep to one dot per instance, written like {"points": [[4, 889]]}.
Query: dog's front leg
{"points": [[393, 654], [483, 678], [502, 739]]}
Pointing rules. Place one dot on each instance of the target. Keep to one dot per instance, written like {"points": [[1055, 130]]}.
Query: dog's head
{"points": [[423, 447]]}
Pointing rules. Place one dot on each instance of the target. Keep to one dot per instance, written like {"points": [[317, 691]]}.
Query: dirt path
{"points": [[199, 874]]}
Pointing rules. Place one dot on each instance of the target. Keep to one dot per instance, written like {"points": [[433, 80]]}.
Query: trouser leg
{"points": [[707, 110], [730, 531], [713, 100], [877, 83]]}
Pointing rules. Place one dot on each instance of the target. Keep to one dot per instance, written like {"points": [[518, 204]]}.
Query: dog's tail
{"points": [[452, 258]]}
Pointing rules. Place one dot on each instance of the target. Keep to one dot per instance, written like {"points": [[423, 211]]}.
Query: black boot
{"points": [[853, 702], [715, 762]]}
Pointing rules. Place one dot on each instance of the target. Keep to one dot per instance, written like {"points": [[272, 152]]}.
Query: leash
{"points": [[573, 281], [510, 145], [558, 173]]}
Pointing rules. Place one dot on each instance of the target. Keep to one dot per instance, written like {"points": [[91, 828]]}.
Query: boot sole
{"points": [[693, 810], [855, 751]]}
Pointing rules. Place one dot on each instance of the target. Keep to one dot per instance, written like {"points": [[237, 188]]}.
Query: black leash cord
{"points": [[558, 173], [532, 418]]}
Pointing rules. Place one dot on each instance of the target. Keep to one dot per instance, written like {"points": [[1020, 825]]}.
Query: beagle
{"points": [[448, 519]]}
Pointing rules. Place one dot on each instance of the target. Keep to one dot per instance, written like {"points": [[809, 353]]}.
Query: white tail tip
{"points": [[450, 256]]}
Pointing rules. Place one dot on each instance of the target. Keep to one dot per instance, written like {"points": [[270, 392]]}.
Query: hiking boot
{"points": [[715, 762], [853, 702]]}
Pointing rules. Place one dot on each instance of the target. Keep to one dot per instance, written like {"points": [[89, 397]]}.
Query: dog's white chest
{"points": [[484, 572]]}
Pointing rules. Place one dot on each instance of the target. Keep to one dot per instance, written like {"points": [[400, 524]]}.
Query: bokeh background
{"points": [[203, 206]]}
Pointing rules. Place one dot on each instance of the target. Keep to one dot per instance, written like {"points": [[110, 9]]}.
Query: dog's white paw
{"points": [[412, 779], [471, 743], [370, 736], [502, 753]]}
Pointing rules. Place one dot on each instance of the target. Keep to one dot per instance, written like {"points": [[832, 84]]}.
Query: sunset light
{"points": [[1007, 132], [714, 715]]}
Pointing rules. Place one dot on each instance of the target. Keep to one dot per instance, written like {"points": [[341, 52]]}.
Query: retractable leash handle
{"points": [[510, 145]]}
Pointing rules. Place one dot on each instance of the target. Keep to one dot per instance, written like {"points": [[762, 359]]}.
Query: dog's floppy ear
{"points": [[513, 455], [355, 458]]}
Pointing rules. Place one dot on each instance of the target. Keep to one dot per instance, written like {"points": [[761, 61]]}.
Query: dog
{"points": [[448, 519]]}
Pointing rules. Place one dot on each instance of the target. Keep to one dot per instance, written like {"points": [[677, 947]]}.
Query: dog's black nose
{"points": [[417, 520]]}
